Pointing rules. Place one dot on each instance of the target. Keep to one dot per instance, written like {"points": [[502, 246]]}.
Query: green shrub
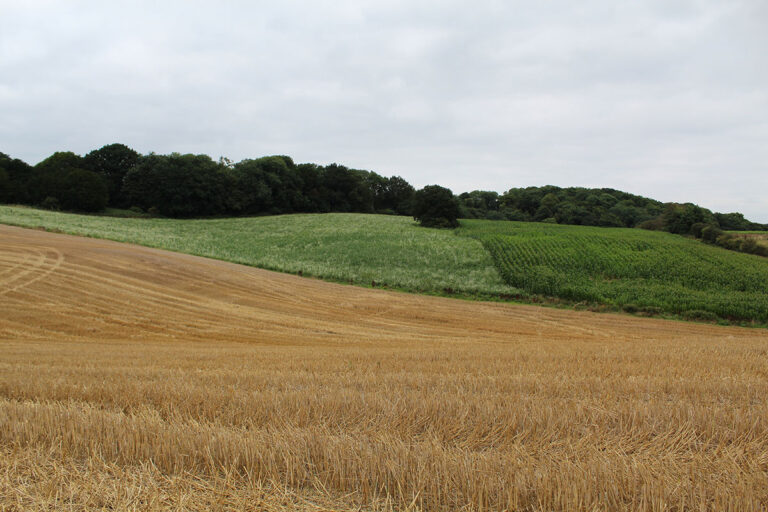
{"points": [[711, 233], [697, 314], [51, 203], [748, 245], [436, 207], [697, 228], [652, 310], [630, 308], [656, 224]]}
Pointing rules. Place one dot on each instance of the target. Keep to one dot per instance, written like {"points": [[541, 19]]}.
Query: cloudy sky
{"points": [[667, 99]]}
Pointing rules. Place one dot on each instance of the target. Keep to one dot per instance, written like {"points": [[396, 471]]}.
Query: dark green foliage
{"points": [[748, 245], [82, 190], [400, 195], [630, 308], [51, 203], [141, 183], [436, 207], [347, 190], [392, 194], [177, 185], [711, 233], [61, 160], [700, 315], [254, 181], [691, 219], [737, 222], [112, 162], [313, 194], [580, 206], [697, 228], [741, 243], [678, 218], [48, 178], [377, 184], [278, 173], [62, 178], [14, 187], [195, 186], [483, 200], [656, 224], [275, 184], [5, 187]]}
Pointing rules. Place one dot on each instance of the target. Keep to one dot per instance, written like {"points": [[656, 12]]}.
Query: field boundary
{"points": [[514, 291]]}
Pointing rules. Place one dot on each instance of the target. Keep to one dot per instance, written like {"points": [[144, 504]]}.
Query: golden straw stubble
{"points": [[132, 378]]}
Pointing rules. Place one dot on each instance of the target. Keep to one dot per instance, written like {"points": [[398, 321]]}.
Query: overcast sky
{"points": [[667, 99]]}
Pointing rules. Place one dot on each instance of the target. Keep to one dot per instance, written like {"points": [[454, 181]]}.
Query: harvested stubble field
{"points": [[132, 378]]}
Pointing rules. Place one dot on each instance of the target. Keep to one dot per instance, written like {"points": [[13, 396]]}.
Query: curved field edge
{"points": [[600, 269], [367, 250]]}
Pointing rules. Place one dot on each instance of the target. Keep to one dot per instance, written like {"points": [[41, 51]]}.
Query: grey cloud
{"points": [[665, 99]]}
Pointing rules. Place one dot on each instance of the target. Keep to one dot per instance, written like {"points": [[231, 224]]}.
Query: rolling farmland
{"points": [[346, 247], [133, 378], [630, 268], [644, 272]]}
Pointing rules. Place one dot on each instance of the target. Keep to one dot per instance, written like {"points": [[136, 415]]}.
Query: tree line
{"points": [[185, 185], [612, 208], [595, 207], [188, 185], [581, 206]]}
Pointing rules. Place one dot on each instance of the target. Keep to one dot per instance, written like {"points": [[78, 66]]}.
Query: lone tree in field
{"points": [[436, 207]]}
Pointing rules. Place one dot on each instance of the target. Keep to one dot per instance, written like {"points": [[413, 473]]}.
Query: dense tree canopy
{"points": [[112, 162], [736, 222], [14, 187], [82, 190], [61, 179], [590, 207], [179, 185], [680, 218], [5, 187], [436, 207]]}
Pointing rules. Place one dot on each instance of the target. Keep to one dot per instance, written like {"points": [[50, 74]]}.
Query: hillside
{"points": [[357, 248], [633, 269], [611, 268], [134, 378]]}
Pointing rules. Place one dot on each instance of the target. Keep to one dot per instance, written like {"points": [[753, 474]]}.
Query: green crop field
{"points": [[391, 251], [629, 269]]}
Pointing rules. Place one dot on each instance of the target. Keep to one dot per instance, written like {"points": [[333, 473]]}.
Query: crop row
{"points": [[627, 268]]}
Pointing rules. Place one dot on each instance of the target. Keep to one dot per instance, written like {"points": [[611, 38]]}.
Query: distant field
{"points": [[357, 248], [630, 268], [621, 269], [761, 237]]}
